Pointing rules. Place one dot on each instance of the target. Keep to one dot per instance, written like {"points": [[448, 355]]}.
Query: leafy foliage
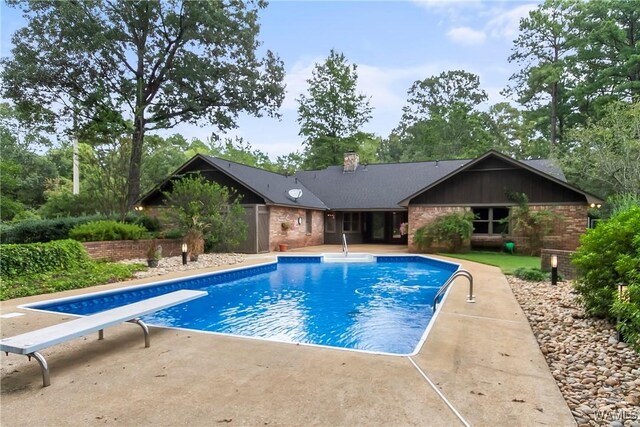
{"points": [[154, 63], [43, 230], [99, 231], [534, 225], [89, 274], [332, 113], [209, 208], [531, 274], [451, 230], [19, 260], [608, 255]]}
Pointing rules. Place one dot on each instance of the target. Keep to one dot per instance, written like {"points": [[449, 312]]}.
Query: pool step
{"points": [[351, 257]]}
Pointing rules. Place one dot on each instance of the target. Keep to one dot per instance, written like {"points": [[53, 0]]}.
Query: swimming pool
{"points": [[382, 306]]}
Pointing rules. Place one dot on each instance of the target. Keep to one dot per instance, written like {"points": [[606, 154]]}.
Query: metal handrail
{"points": [[443, 288], [345, 248]]}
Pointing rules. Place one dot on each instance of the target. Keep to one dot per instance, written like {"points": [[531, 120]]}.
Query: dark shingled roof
{"points": [[383, 186], [271, 186]]}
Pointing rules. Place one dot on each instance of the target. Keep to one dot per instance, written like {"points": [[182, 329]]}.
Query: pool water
{"points": [[384, 306]]}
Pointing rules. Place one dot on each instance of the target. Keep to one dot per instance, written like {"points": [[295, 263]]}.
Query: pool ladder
{"points": [[345, 248], [443, 289]]}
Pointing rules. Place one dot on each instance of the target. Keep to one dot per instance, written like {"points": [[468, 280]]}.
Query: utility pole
{"points": [[76, 167]]}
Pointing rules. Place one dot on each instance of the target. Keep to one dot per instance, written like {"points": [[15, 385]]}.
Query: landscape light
{"points": [[184, 254], [554, 270]]}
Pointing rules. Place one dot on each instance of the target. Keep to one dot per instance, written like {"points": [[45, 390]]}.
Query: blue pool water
{"points": [[383, 306]]}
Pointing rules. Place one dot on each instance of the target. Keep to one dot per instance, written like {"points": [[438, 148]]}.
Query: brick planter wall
{"points": [[296, 236], [565, 268], [118, 250]]}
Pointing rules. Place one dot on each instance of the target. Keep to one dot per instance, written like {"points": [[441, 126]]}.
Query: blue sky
{"points": [[394, 44]]}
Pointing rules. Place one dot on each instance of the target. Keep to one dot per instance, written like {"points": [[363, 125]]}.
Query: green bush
{"points": [[90, 274], [20, 260], [149, 222], [607, 256], [42, 230], [531, 274], [99, 231], [450, 230]]}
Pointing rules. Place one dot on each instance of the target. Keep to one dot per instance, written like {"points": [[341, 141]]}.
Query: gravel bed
{"points": [[598, 377], [171, 264]]}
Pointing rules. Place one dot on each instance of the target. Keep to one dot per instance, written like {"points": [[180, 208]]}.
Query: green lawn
{"points": [[507, 262]]}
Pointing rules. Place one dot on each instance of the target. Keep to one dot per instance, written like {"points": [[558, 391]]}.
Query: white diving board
{"points": [[31, 342]]}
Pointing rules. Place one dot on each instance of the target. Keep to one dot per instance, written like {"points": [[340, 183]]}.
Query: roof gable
{"points": [[493, 161]]}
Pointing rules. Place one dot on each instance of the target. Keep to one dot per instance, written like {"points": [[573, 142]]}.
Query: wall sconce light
{"points": [[138, 208], [299, 220], [554, 270], [184, 254]]}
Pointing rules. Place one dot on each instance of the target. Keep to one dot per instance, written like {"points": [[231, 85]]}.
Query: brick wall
{"points": [[296, 236], [127, 249], [422, 215], [565, 268], [570, 224]]}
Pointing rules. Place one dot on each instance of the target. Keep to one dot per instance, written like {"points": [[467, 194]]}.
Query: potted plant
{"points": [[154, 254], [195, 243]]}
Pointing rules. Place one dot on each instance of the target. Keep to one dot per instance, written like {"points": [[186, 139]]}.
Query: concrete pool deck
{"points": [[483, 357]]}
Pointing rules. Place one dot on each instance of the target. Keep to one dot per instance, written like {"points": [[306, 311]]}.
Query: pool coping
{"points": [[416, 349], [464, 355]]}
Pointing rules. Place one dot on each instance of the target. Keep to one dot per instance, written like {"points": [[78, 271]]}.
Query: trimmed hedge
{"points": [[100, 231], [43, 230], [19, 260], [531, 274]]}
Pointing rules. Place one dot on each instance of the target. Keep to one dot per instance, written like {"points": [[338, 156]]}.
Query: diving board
{"points": [[31, 343]]}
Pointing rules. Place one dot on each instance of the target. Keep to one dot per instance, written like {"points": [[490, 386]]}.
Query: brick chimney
{"points": [[351, 162]]}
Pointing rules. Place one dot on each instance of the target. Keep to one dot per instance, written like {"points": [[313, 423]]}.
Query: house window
{"points": [[491, 220], [309, 222], [330, 223], [351, 222]]}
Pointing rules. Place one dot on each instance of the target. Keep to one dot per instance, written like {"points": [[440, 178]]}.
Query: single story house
{"points": [[378, 203]]}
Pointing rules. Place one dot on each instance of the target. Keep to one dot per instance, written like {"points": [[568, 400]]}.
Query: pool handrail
{"points": [[345, 248], [455, 275]]}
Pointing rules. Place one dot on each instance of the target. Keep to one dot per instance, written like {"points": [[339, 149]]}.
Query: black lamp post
{"points": [[554, 270], [184, 254]]}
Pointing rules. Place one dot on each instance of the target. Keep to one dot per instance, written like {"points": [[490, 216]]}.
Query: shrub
{"points": [[451, 230], [607, 256], [534, 225], [149, 222], [19, 260], [42, 230], [107, 230], [531, 274]]}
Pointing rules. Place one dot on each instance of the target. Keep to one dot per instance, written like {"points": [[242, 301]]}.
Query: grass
{"points": [[507, 262], [91, 274]]}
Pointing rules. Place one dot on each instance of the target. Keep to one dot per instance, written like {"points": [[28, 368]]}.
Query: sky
{"points": [[393, 43]]}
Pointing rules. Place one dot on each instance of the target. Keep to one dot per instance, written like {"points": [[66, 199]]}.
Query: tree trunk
{"points": [[136, 159]]}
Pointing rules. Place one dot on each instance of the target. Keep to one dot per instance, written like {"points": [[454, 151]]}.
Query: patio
{"points": [[483, 357]]}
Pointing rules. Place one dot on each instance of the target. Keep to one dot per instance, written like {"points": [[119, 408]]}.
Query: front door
{"points": [[378, 226]]}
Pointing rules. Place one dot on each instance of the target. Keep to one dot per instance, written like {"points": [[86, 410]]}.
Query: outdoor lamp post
{"points": [[184, 254], [554, 270]]}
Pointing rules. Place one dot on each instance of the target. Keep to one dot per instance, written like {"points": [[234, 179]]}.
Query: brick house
{"points": [[375, 203]]}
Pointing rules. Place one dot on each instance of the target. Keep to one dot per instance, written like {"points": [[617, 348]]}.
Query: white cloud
{"points": [[466, 36], [506, 23]]}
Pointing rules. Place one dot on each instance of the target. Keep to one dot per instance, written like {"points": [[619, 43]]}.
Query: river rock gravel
{"points": [[598, 376], [171, 264]]}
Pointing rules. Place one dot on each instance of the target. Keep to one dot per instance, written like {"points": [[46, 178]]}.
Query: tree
{"points": [[512, 133], [541, 51], [607, 54], [332, 113], [441, 120], [604, 157], [206, 209], [154, 63]]}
